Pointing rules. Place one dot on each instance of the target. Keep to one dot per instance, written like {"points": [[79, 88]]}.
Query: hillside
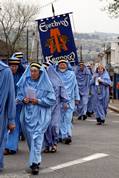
{"points": [[93, 43]]}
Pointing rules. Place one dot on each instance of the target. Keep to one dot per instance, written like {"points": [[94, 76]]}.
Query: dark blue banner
{"points": [[57, 39]]}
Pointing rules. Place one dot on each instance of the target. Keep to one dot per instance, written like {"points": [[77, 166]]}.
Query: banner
{"points": [[57, 39]]}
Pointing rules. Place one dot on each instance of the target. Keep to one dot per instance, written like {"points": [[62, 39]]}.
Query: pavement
{"points": [[94, 153], [114, 105]]}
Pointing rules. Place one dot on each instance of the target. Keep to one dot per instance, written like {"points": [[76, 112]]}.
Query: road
{"points": [[94, 153]]}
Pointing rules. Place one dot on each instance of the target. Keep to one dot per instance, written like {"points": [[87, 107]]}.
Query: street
{"points": [[94, 153]]}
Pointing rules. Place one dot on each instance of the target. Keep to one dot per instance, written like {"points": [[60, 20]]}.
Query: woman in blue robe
{"points": [[36, 92], [69, 79], [7, 106], [13, 137], [101, 81], [52, 134], [83, 80]]}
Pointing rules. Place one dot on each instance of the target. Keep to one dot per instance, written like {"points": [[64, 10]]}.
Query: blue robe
{"points": [[83, 80], [52, 133], [101, 97], [90, 108], [36, 117], [69, 79], [7, 105], [13, 137]]}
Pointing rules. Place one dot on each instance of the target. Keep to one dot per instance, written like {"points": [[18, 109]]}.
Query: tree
{"points": [[112, 7], [14, 18]]}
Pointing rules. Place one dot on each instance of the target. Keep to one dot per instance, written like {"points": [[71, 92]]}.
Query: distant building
{"points": [[115, 55], [115, 65]]}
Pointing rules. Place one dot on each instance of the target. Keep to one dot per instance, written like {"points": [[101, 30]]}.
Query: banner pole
{"points": [[53, 9]]}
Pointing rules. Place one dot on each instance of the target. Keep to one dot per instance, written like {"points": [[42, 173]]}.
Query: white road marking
{"points": [[115, 121], [91, 120], [117, 114], [75, 162], [14, 176]]}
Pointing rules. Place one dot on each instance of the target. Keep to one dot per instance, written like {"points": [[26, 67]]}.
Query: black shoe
{"points": [[9, 152], [89, 114], [99, 123], [53, 149], [80, 118], [35, 169], [67, 141], [46, 150], [98, 119], [84, 117], [60, 140], [22, 138], [38, 165]]}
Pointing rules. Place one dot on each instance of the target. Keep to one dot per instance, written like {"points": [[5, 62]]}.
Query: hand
{"points": [[26, 100], [100, 80], [17, 101], [77, 102], [11, 127], [65, 106], [34, 101]]}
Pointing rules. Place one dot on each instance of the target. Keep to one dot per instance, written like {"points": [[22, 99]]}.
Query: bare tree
{"points": [[14, 18], [112, 7]]}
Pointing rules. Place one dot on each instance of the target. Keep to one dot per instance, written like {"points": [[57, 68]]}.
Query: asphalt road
{"points": [[94, 153]]}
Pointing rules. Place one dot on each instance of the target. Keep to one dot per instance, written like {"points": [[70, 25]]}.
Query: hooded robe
{"points": [[69, 79], [101, 97], [52, 133], [7, 105], [83, 80], [13, 138], [36, 118]]}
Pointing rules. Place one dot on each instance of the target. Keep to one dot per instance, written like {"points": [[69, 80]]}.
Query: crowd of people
{"points": [[38, 101]]}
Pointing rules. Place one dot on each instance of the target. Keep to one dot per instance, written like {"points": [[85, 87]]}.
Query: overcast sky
{"points": [[87, 15]]}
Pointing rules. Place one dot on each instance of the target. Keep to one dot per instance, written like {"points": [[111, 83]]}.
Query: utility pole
{"points": [[27, 44], [81, 57], [37, 50]]}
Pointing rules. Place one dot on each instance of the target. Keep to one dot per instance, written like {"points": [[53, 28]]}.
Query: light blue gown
{"points": [[13, 137], [52, 133], [90, 107], [69, 79], [36, 118], [101, 97], [7, 105], [83, 80]]}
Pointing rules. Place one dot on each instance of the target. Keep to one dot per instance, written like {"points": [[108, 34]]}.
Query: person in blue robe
{"points": [[69, 79], [36, 92], [22, 58], [101, 81], [83, 80], [52, 134], [90, 106], [12, 141], [7, 106]]}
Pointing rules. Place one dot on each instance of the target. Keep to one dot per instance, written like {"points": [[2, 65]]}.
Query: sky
{"points": [[87, 15]]}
